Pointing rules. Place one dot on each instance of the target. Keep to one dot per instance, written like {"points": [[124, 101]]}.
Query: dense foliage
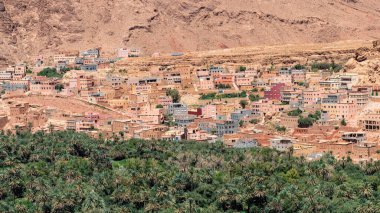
{"points": [[223, 86], [299, 67], [50, 73], [213, 95], [174, 94], [254, 98], [70, 172], [295, 113], [326, 66], [309, 120]]}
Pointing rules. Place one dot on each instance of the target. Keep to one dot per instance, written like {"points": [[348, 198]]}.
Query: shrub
{"points": [[242, 68], [305, 122], [50, 73], [253, 97], [243, 103], [295, 113], [299, 67]]}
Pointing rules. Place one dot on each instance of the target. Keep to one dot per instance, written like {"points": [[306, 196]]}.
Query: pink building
{"points": [[287, 79], [243, 81], [82, 126], [164, 100], [203, 73], [141, 88], [151, 116], [43, 86], [227, 79], [311, 97], [206, 83], [195, 134], [90, 116], [209, 111], [250, 72], [298, 76], [266, 106], [275, 92]]}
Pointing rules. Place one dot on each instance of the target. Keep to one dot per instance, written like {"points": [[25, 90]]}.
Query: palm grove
{"points": [[71, 172]]}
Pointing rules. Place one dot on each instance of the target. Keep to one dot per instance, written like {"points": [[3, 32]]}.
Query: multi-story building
{"points": [[281, 144], [370, 121], [43, 86], [362, 98], [206, 83], [241, 114], [344, 109], [275, 92], [184, 120], [89, 67], [68, 59], [224, 109], [164, 100], [224, 127], [22, 85], [242, 80], [226, 79], [298, 76], [216, 70], [141, 88], [177, 109], [209, 111]]}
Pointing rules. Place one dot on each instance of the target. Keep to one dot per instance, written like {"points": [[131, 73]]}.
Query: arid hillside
{"points": [[32, 27]]}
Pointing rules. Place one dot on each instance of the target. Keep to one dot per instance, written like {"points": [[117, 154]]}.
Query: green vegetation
{"points": [[59, 87], [301, 83], [310, 120], [66, 69], [295, 113], [70, 172], [253, 97], [343, 122], [326, 66], [223, 86], [50, 73], [212, 96], [159, 106], [241, 123], [299, 67], [174, 94], [280, 128], [305, 122], [243, 103], [208, 96], [242, 69], [254, 90], [29, 71], [254, 121]]}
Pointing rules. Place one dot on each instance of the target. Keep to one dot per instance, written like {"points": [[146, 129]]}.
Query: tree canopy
{"points": [[71, 172]]}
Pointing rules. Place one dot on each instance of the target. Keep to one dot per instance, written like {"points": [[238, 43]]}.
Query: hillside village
{"points": [[305, 109]]}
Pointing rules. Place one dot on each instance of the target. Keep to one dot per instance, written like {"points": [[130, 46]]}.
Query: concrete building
{"points": [[177, 109], [241, 114], [370, 121], [226, 127], [281, 144], [275, 92]]}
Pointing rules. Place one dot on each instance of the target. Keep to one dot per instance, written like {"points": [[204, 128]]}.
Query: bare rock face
{"points": [[361, 54], [2, 7], [34, 27]]}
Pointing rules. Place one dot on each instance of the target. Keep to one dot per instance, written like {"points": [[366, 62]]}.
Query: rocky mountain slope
{"points": [[32, 27]]}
